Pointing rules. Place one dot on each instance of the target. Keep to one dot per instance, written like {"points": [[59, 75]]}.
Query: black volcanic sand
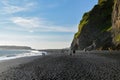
{"points": [[6, 64], [82, 66]]}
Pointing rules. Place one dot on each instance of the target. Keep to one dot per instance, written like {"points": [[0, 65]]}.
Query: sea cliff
{"points": [[95, 28]]}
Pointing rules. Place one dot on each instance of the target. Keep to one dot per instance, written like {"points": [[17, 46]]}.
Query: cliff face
{"points": [[116, 24], [95, 27]]}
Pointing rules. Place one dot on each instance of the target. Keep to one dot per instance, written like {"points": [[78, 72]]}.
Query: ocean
{"points": [[13, 54]]}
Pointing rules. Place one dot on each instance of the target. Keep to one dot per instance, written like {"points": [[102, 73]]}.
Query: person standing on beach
{"points": [[71, 52]]}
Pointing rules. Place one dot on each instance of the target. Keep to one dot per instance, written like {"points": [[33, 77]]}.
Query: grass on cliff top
{"points": [[100, 1], [99, 17], [83, 23]]}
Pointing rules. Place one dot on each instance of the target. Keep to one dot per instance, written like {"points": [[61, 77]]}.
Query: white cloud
{"points": [[12, 8], [36, 24], [26, 22], [30, 24]]}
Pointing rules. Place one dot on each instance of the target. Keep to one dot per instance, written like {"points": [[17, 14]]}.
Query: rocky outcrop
{"points": [[95, 27], [116, 24]]}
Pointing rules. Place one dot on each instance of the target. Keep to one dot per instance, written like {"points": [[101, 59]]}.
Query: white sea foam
{"points": [[29, 54]]}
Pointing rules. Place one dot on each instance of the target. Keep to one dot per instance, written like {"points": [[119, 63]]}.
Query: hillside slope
{"points": [[95, 27]]}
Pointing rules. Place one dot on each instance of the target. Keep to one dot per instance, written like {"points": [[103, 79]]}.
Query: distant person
{"points": [[73, 51]]}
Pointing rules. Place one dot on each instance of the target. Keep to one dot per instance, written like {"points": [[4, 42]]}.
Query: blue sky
{"points": [[41, 24]]}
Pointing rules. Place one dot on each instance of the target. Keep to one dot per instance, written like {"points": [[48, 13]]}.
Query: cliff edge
{"points": [[95, 28]]}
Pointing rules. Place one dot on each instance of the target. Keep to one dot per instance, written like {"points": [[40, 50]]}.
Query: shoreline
{"points": [[61, 66], [7, 64]]}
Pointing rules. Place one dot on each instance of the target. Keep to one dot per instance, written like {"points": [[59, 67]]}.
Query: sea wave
{"points": [[29, 54]]}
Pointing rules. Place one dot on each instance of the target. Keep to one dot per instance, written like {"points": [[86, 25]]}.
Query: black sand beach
{"points": [[81, 66], [6, 64]]}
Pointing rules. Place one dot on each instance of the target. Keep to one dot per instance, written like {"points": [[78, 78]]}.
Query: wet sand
{"points": [[81, 66]]}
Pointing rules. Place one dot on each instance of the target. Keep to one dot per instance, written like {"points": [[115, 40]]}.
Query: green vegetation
{"points": [[100, 1], [109, 29], [117, 38], [99, 17], [96, 25], [83, 23]]}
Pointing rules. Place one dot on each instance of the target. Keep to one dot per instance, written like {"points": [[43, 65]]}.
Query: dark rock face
{"points": [[95, 27], [116, 24]]}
